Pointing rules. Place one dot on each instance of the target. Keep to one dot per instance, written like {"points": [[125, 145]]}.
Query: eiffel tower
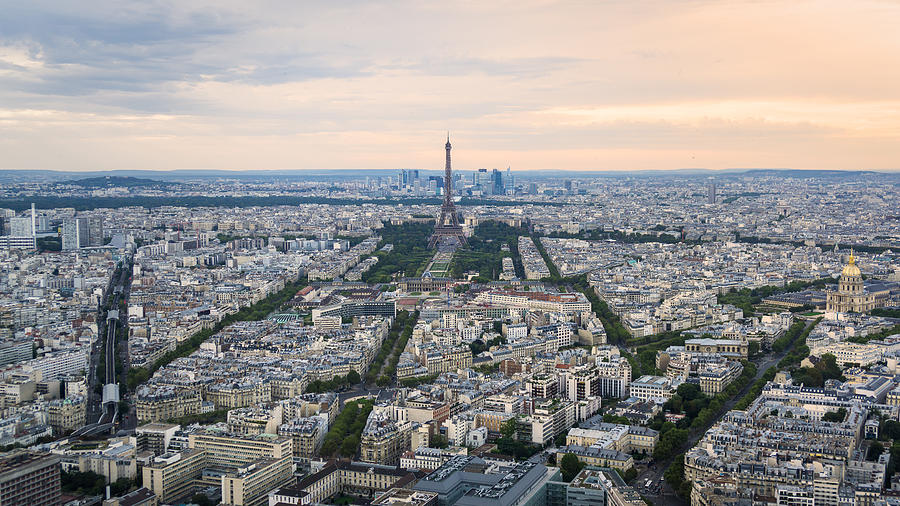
{"points": [[447, 227]]}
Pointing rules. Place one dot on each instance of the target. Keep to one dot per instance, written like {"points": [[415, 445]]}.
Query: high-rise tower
{"points": [[447, 226]]}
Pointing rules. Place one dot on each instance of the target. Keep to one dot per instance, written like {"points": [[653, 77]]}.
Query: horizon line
{"points": [[236, 170]]}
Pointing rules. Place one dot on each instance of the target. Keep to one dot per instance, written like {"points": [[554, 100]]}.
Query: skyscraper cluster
{"points": [[82, 233]]}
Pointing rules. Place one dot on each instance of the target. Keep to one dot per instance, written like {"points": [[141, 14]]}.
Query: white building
{"points": [[652, 387]]}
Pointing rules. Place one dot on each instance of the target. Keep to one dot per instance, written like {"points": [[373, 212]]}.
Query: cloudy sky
{"points": [[533, 84]]}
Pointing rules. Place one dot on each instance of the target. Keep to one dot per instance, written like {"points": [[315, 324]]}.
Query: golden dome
{"points": [[851, 269]]}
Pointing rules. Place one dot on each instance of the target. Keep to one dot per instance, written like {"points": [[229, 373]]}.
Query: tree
{"points": [[891, 429], [438, 441], [835, 416], [829, 368], [120, 486], [353, 377], [630, 474], [611, 418], [809, 376], [509, 428], [669, 442], [349, 446], [875, 450], [673, 405], [570, 466], [87, 482], [689, 391], [202, 500], [753, 348], [477, 346], [560, 439], [674, 475]]}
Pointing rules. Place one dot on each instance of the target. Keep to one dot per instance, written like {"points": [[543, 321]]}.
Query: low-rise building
{"points": [[652, 387]]}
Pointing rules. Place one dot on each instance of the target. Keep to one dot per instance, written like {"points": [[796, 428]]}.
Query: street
{"points": [[665, 495]]}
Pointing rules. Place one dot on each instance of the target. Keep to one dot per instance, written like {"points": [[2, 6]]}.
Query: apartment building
{"points": [[230, 450], [550, 418], [67, 414], [172, 476], [29, 478], [250, 485], [307, 435], [615, 377], [716, 378], [384, 440], [163, 404], [649, 387]]}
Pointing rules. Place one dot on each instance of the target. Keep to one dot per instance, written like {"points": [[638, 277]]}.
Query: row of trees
{"points": [[554, 272], [335, 383], [485, 251], [122, 330], [823, 245], [398, 335], [388, 373], [756, 389], [343, 436], [409, 256], [799, 350], [671, 439], [666, 235], [615, 332], [690, 398], [646, 354], [258, 311], [674, 476], [698, 409], [387, 346], [886, 312], [717, 403], [787, 340], [91, 483]]}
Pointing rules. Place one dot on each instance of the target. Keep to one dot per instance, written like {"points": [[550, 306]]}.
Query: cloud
{"points": [[534, 84]]}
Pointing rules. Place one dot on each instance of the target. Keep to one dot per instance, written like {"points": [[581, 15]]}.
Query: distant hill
{"points": [[801, 173], [114, 181]]}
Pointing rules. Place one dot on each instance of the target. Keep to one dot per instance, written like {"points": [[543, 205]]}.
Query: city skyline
{"points": [[535, 86]]}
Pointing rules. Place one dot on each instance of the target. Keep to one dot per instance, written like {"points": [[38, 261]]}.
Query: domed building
{"points": [[852, 295]]}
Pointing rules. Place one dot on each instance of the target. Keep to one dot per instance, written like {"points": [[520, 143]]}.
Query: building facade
{"points": [[851, 295], [29, 478]]}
